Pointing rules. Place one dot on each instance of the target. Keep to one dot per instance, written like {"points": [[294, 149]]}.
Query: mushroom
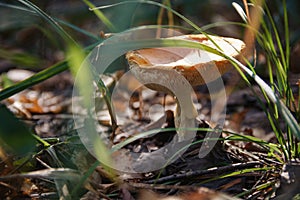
{"points": [[175, 70]]}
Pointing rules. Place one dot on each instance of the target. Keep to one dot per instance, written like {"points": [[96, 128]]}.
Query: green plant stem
{"points": [[107, 98], [42, 141]]}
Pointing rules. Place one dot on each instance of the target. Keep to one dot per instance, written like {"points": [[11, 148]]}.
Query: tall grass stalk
{"points": [[279, 95], [277, 52]]}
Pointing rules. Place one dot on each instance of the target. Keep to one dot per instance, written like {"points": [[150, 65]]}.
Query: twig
{"points": [[160, 186], [251, 155], [197, 173]]}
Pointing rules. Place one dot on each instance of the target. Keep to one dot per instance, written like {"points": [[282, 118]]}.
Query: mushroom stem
{"points": [[185, 115]]}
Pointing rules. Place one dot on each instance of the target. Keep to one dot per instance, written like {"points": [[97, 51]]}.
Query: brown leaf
{"points": [[200, 194]]}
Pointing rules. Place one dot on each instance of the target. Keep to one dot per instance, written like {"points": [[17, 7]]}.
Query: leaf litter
{"points": [[188, 173]]}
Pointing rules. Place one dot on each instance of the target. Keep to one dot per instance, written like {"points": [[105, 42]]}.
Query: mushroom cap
{"points": [[197, 66]]}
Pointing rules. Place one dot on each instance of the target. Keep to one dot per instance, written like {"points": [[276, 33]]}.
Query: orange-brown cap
{"points": [[196, 65]]}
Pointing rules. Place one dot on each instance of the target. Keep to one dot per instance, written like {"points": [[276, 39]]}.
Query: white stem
{"points": [[185, 116]]}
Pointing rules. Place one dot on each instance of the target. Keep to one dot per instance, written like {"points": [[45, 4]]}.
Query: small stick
{"points": [[160, 186], [214, 170]]}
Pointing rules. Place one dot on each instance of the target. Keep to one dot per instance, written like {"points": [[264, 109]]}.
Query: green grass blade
{"points": [[258, 187], [54, 173], [240, 11], [156, 4], [19, 58], [239, 172], [169, 9], [76, 57], [16, 7], [37, 78], [277, 39], [287, 34], [220, 24], [67, 38], [289, 118], [76, 28], [82, 71], [101, 16], [83, 179]]}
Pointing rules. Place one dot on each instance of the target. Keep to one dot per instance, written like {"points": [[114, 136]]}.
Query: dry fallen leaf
{"points": [[200, 194], [33, 102]]}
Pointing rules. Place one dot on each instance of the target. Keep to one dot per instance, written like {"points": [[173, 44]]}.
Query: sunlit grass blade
{"points": [[76, 57], [278, 55], [240, 11], [82, 71], [276, 100], [258, 187], [248, 138], [239, 172], [265, 39], [101, 16]]}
